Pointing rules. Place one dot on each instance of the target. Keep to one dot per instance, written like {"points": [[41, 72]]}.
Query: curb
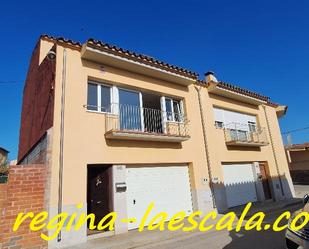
{"points": [[293, 203]]}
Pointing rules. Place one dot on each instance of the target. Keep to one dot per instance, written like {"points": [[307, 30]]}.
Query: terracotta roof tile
{"points": [[244, 91], [62, 41], [239, 90], [123, 53], [154, 62], [140, 58]]}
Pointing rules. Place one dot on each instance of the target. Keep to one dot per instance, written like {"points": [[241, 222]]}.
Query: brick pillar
{"points": [[25, 192]]}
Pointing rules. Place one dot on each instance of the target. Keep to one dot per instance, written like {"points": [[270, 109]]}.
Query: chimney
{"points": [[210, 76]]}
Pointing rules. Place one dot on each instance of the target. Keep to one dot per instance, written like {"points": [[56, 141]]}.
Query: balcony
{"points": [[128, 122], [245, 135]]}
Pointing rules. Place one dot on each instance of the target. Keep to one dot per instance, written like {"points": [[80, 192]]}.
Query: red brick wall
{"points": [[25, 191], [38, 102], [3, 196]]}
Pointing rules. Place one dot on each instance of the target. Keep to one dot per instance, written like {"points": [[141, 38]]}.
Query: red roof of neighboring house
{"points": [[1, 148], [304, 146]]}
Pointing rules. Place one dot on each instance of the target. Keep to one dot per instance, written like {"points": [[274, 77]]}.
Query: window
{"points": [[252, 126], [105, 98], [92, 97], [130, 111], [219, 124], [98, 97], [173, 110], [234, 120]]}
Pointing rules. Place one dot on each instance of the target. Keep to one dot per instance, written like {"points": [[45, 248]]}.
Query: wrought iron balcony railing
{"points": [[145, 123], [245, 135]]}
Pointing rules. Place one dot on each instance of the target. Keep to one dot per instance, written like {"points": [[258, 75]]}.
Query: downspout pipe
{"points": [[273, 149], [198, 89], [61, 137]]}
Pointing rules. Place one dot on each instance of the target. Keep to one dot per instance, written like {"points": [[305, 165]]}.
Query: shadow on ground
{"points": [[262, 239]]}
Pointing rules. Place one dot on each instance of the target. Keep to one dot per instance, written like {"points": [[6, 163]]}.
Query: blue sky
{"points": [[259, 45]]}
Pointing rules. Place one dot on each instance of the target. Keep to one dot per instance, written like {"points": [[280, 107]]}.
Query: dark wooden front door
{"points": [[99, 194], [265, 174]]}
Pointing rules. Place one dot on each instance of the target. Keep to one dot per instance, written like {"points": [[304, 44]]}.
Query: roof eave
{"points": [[61, 41], [281, 110], [298, 147], [218, 89], [1, 148], [105, 56]]}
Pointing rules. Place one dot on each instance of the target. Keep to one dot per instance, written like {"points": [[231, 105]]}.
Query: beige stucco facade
{"points": [[220, 153], [84, 139]]}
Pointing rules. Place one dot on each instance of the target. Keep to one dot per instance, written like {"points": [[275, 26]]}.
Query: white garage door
{"points": [[239, 184], [168, 187]]}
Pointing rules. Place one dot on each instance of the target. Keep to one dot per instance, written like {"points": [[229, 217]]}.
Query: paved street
{"points": [[214, 239], [229, 240], [301, 190]]}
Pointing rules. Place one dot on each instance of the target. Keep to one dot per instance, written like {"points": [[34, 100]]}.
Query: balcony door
{"points": [[130, 110], [152, 113]]}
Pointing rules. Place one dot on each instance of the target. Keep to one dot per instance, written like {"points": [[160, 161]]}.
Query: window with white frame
{"points": [[99, 97], [234, 120], [252, 126], [174, 110], [219, 124]]}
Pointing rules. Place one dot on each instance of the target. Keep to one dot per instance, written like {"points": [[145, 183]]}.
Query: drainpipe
{"points": [[273, 149], [198, 89], [61, 138]]}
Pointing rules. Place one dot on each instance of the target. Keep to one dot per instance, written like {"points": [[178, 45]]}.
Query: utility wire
{"points": [[296, 130]]}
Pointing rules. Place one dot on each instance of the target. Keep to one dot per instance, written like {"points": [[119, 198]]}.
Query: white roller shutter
{"points": [[239, 182], [167, 186]]}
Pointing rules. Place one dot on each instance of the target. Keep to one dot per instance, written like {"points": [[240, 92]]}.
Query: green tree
{"points": [[4, 168]]}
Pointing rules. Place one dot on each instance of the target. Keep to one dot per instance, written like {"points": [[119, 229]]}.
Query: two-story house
{"points": [[118, 130]]}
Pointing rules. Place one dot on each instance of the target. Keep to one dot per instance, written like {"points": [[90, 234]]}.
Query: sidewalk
{"points": [[301, 190], [135, 239]]}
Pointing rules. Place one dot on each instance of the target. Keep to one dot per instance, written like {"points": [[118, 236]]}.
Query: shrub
{"points": [[4, 169]]}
